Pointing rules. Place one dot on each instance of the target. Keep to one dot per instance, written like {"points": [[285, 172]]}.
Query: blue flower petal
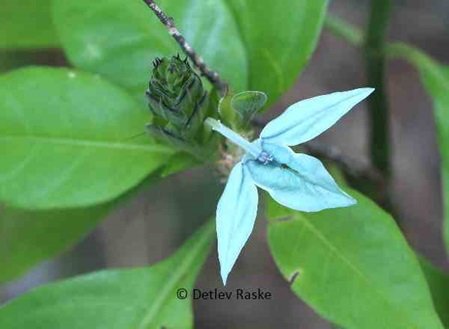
{"points": [[236, 214], [298, 181], [307, 119]]}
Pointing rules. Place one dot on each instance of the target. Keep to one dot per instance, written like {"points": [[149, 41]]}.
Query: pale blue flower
{"points": [[297, 181]]}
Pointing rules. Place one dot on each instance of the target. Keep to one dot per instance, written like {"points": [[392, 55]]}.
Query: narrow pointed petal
{"points": [[302, 183], [236, 214], [307, 119]]}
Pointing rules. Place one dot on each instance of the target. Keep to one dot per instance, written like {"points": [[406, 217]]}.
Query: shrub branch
{"points": [[196, 59]]}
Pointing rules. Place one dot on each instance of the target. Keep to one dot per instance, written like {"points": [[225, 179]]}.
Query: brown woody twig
{"points": [[199, 63], [353, 167]]}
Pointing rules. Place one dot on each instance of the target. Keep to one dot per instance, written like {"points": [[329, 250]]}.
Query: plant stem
{"points": [[408, 53], [376, 51], [350, 33], [375, 67], [197, 60], [354, 36]]}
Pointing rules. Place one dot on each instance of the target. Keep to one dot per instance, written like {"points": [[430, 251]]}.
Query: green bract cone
{"points": [[179, 104]]}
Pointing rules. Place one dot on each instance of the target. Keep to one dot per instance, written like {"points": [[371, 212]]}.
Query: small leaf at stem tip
{"points": [[248, 103]]}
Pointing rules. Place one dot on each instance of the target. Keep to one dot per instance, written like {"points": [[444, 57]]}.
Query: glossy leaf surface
{"points": [[120, 39], [143, 298], [353, 266], [65, 140], [258, 45], [279, 37], [26, 24], [435, 78]]}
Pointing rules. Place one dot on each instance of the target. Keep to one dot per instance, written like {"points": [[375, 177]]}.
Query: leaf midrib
{"points": [[246, 48], [335, 251], [183, 270], [88, 143]]}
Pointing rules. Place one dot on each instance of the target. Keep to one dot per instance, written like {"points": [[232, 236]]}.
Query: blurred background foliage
{"points": [[152, 226]]}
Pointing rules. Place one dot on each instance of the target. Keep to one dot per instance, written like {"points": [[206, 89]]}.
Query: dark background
{"points": [[152, 226]]}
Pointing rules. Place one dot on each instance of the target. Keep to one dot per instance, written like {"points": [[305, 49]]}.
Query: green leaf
{"points": [[439, 287], [436, 81], [445, 183], [353, 266], [26, 24], [127, 299], [120, 39], [29, 237], [259, 45], [179, 162], [65, 140], [280, 37], [435, 78], [248, 103]]}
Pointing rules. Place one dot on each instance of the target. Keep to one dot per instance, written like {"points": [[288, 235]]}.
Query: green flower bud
{"points": [[179, 104]]}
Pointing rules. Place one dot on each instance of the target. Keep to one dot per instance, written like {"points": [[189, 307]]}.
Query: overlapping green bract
{"points": [[180, 104], [175, 92]]}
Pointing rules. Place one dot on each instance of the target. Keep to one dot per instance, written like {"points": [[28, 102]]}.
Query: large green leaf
{"points": [[439, 287], [26, 24], [120, 39], [259, 45], [435, 78], [280, 37], [445, 184], [29, 237], [353, 266], [65, 140], [142, 298]]}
